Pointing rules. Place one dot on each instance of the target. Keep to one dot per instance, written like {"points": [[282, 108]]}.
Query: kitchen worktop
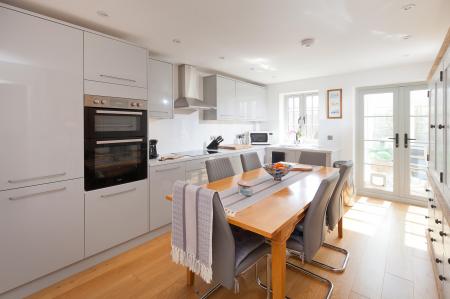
{"points": [[228, 152], [220, 153]]}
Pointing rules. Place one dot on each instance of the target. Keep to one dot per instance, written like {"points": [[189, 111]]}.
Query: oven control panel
{"points": [[113, 102]]}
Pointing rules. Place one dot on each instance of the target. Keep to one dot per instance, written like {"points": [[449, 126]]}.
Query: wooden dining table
{"points": [[273, 217]]}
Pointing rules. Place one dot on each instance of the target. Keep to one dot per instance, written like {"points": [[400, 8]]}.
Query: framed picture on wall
{"points": [[334, 103]]}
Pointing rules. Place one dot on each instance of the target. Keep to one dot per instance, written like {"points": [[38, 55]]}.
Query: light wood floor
{"points": [[389, 259]]}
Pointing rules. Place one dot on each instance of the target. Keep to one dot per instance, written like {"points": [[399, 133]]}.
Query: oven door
{"points": [[101, 123], [114, 162]]}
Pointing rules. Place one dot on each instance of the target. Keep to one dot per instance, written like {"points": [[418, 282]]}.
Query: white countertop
{"points": [[227, 152], [221, 153]]}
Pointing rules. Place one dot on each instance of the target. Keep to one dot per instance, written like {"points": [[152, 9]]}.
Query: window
{"points": [[302, 119]]}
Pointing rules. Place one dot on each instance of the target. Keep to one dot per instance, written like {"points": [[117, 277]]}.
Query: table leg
{"points": [[340, 228], [190, 277], [278, 268]]}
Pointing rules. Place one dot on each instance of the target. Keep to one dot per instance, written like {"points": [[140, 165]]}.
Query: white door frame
{"points": [[399, 157]]}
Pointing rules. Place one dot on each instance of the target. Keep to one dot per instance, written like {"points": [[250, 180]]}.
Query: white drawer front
{"points": [[42, 230], [115, 215]]}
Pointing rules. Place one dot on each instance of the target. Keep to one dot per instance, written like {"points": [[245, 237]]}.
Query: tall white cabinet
{"points": [[41, 101]]}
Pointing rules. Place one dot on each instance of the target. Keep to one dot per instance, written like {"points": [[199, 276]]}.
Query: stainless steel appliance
{"points": [[115, 146], [260, 137]]}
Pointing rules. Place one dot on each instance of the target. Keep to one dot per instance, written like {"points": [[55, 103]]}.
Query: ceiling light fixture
{"points": [[307, 42], [102, 13], [222, 57], [406, 36], [409, 6], [176, 41]]}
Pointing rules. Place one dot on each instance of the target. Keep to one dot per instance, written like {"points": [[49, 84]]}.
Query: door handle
{"points": [[407, 139], [396, 139], [440, 126]]}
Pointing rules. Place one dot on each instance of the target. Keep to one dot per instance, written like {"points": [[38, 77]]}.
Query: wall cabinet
{"points": [[41, 106], [160, 89], [42, 230], [162, 179], [115, 215], [235, 100], [112, 61]]}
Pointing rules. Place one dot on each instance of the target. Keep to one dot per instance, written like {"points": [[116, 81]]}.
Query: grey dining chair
{"points": [[313, 158], [218, 169], [233, 252], [335, 212], [309, 235], [250, 161]]}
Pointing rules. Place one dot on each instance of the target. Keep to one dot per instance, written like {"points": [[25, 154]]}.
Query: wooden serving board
{"points": [[235, 146]]}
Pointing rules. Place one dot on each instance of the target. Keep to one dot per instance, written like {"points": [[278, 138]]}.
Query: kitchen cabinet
{"points": [[115, 214], [160, 89], [196, 172], [42, 230], [221, 93], [112, 61], [251, 101], [161, 183], [41, 101]]}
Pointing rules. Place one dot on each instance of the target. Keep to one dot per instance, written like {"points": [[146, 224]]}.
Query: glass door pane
{"points": [[378, 142], [417, 146]]}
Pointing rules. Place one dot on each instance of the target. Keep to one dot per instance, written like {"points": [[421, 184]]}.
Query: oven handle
{"points": [[119, 141], [118, 112], [117, 193]]}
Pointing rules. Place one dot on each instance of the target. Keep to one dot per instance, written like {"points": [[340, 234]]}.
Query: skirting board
{"points": [[52, 278]]}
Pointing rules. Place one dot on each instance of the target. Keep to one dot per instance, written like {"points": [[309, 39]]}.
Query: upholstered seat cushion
{"points": [[245, 243]]}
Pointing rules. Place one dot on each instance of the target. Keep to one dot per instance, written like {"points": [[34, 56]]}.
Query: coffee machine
{"points": [[152, 152]]}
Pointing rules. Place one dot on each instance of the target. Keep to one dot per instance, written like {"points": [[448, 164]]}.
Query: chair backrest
{"points": [[313, 158], [250, 161], [218, 169], [223, 247], [314, 223], [336, 205]]}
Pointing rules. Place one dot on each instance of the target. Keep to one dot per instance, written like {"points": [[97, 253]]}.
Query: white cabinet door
{"points": [[160, 89], [162, 179], [112, 61], [115, 215], [261, 104], [41, 101], [226, 99], [243, 98], [42, 230]]}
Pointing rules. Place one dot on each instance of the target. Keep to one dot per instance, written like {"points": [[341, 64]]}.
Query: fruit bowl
{"points": [[277, 170]]}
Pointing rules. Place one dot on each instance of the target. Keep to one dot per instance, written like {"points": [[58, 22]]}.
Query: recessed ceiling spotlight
{"points": [[222, 57], [176, 41], [409, 6], [406, 36], [307, 42], [102, 13]]}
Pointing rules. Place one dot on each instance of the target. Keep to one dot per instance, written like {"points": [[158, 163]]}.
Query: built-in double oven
{"points": [[115, 141]]}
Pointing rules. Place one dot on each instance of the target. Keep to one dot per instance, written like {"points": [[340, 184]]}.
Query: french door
{"points": [[392, 141]]}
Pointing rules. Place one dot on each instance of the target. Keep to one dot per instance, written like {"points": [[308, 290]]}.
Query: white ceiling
{"points": [[260, 39]]}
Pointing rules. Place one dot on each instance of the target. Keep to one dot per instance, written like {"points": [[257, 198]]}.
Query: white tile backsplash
{"points": [[189, 132]]}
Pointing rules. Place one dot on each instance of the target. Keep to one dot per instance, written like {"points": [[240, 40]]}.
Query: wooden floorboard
{"points": [[389, 259]]}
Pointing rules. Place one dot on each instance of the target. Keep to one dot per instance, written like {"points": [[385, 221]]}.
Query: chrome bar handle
{"points": [[117, 193], [36, 178], [37, 194], [117, 78], [167, 169], [119, 141], [118, 112]]}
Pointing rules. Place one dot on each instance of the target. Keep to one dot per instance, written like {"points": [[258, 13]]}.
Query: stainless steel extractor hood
{"points": [[189, 90]]}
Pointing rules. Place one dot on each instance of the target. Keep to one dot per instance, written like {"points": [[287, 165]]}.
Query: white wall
{"points": [[188, 132], [342, 130]]}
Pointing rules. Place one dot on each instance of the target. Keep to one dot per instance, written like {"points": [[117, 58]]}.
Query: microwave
{"points": [[260, 137]]}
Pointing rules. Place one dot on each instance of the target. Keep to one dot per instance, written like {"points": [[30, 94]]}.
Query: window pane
{"points": [[419, 103], [378, 128], [379, 104], [379, 153], [418, 182], [419, 129]]}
